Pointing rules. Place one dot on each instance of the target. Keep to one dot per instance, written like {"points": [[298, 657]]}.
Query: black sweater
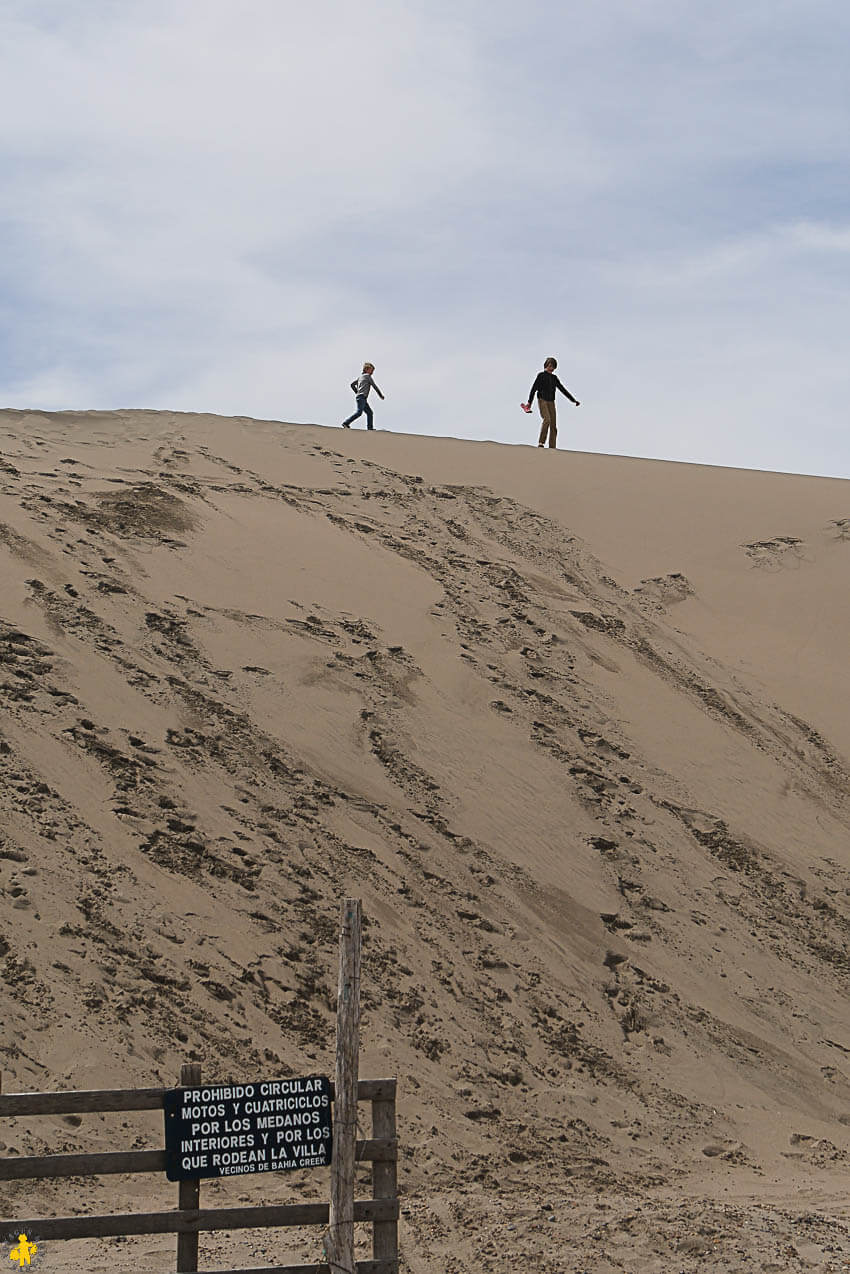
{"points": [[545, 385]]}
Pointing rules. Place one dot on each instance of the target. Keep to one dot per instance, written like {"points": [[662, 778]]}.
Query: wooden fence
{"points": [[189, 1219]]}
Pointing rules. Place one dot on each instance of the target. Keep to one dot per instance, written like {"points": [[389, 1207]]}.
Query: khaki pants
{"points": [[547, 415]]}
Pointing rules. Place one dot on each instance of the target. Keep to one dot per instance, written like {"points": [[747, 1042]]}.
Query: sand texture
{"points": [[574, 727]]}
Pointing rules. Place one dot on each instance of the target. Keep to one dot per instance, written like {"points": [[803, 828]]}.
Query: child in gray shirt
{"points": [[361, 388]]}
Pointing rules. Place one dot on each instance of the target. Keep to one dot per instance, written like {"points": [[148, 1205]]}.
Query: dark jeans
{"points": [[363, 408]]}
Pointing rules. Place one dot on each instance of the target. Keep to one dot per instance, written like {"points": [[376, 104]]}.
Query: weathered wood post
{"points": [[384, 1181], [189, 1195], [339, 1244]]}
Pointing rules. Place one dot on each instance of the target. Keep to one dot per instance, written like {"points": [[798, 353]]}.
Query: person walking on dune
{"points": [[545, 384], [361, 388]]}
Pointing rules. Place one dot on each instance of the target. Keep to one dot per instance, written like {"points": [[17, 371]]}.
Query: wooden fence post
{"points": [[384, 1182], [189, 1195], [339, 1244]]}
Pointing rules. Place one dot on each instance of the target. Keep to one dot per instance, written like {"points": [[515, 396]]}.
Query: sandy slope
{"points": [[574, 727]]}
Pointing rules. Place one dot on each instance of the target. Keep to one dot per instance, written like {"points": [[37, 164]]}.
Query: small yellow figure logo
{"points": [[24, 1252]]}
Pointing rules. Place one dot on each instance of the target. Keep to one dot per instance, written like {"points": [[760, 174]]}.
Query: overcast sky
{"points": [[218, 206]]}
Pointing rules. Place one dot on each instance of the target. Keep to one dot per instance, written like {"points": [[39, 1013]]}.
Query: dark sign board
{"points": [[223, 1130]]}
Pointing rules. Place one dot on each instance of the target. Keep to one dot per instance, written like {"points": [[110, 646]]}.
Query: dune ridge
{"points": [[574, 727]]}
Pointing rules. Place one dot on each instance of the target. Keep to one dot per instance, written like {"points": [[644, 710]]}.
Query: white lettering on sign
{"points": [[228, 1128]]}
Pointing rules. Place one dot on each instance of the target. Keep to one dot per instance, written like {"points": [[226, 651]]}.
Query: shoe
{"points": [[346, 426]]}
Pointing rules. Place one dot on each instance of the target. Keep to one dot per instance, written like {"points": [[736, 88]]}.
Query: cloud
{"points": [[219, 207]]}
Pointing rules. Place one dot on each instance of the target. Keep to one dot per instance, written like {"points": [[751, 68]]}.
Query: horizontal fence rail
{"points": [[196, 1221], [361, 1267], [80, 1101], [376, 1150]]}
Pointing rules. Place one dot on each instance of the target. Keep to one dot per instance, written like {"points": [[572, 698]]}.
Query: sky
{"points": [[212, 206]]}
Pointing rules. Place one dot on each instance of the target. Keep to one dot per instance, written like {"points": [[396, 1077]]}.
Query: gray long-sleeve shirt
{"points": [[363, 384]]}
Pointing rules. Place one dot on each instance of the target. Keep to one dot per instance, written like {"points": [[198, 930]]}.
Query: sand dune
{"points": [[574, 727]]}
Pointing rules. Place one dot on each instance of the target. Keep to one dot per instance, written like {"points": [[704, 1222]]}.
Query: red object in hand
{"points": [[525, 407]]}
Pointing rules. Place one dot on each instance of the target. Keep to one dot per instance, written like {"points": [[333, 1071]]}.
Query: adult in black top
{"points": [[545, 384]]}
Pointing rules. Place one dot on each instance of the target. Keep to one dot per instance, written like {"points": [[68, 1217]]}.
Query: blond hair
{"points": [[368, 367]]}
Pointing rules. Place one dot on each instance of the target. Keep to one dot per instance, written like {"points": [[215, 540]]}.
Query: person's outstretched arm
{"points": [[567, 392], [375, 387]]}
